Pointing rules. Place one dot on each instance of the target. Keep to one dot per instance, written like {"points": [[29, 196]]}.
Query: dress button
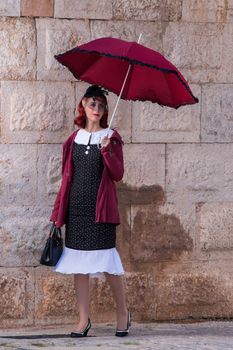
{"points": [[88, 147], [86, 152]]}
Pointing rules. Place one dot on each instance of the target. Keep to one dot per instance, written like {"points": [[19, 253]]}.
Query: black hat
{"points": [[95, 91]]}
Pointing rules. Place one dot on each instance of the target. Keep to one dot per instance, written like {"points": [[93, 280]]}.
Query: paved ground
{"points": [[157, 336]]}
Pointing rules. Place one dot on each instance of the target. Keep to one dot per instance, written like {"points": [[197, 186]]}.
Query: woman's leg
{"points": [[118, 290], [81, 284]]}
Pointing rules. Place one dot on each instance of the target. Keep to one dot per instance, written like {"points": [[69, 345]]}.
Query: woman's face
{"points": [[94, 108]]}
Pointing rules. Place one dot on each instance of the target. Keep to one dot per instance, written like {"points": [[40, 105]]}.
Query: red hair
{"points": [[80, 119]]}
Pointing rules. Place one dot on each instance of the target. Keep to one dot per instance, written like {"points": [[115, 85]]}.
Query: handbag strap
{"points": [[55, 231]]}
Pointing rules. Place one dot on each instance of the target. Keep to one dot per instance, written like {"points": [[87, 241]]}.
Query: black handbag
{"points": [[53, 247]]}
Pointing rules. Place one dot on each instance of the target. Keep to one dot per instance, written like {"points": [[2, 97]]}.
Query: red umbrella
{"points": [[151, 77]]}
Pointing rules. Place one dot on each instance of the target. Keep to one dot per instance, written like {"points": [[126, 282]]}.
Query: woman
{"points": [[87, 204]]}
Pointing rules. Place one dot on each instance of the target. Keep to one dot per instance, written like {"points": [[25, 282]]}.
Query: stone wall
{"points": [[176, 197]]}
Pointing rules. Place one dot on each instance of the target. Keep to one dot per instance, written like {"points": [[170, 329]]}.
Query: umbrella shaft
{"points": [[122, 88]]}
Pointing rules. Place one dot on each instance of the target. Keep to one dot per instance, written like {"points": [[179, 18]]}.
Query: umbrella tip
{"points": [[139, 38]]}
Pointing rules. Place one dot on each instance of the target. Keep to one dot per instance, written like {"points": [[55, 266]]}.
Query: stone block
{"points": [[215, 226], [157, 236], [199, 292], [17, 297], [54, 37], [10, 8], [124, 233], [49, 173], [183, 216], [23, 233], [54, 298], [147, 10], [202, 11], [217, 118], [122, 118], [199, 50], [18, 48], [153, 123], [130, 30], [37, 111], [144, 165], [42, 8], [87, 9], [17, 175], [154, 230], [199, 173]]}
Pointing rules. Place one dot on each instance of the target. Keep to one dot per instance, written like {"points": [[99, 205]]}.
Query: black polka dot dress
{"points": [[90, 247]]}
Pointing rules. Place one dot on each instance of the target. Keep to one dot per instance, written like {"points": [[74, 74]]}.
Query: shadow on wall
{"points": [[152, 237]]}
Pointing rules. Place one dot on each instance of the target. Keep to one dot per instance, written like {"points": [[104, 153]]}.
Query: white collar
{"points": [[83, 136]]}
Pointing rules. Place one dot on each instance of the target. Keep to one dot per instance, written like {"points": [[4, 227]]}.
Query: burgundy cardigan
{"points": [[106, 202]]}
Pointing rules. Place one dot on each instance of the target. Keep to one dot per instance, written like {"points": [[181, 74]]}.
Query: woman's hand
{"points": [[105, 141]]}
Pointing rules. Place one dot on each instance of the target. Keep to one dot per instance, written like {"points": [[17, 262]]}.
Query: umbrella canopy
{"points": [[152, 77]]}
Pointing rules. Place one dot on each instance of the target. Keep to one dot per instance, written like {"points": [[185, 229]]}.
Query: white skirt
{"points": [[92, 262]]}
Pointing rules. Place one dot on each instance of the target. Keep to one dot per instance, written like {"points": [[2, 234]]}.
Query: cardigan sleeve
{"points": [[113, 158], [53, 216]]}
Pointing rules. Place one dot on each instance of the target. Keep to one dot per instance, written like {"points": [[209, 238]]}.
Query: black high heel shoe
{"points": [[83, 333], [125, 331]]}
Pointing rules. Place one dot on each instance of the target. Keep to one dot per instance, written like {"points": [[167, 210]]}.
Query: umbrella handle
{"points": [[122, 88]]}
